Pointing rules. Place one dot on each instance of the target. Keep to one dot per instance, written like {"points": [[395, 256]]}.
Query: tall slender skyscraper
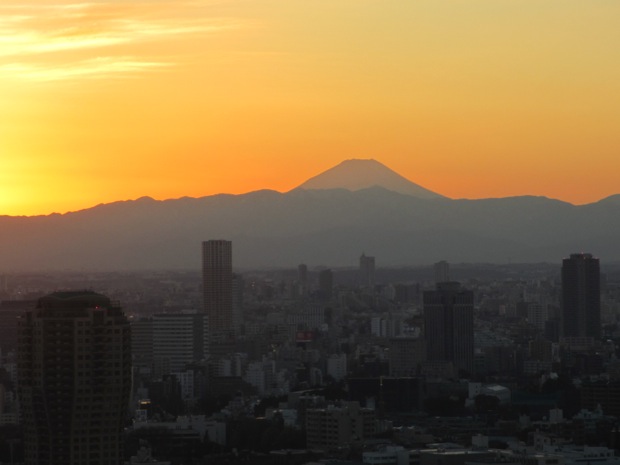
{"points": [[442, 272], [326, 283], [367, 271], [449, 325], [581, 296], [217, 277], [74, 370]]}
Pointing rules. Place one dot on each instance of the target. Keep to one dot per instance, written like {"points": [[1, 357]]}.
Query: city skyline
{"points": [[113, 101]]}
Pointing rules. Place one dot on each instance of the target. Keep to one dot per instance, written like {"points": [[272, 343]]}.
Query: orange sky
{"points": [[106, 101]]}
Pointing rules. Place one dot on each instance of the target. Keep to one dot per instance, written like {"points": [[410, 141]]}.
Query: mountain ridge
{"points": [[329, 226]]}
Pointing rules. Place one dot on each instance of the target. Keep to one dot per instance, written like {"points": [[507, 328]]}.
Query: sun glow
{"points": [[104, 101]]}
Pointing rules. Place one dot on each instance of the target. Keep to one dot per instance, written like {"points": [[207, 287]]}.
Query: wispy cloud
{"points": [[97, 68], [57, 41]]}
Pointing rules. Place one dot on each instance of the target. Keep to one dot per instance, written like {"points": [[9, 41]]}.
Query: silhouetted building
{"points": [[237, 301], [581, 296], [179, 339], [74, 370], [406, 355], [142, 342], [302, 278], [326, 283], [217, 283], [367, 271], [442, 272], [10, 310], [331, 427], [449, 325]]}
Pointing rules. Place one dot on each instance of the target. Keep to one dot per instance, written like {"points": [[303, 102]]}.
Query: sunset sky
{"points": [[106, 101]]}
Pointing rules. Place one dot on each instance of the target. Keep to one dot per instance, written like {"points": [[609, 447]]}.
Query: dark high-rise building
{"points": [[74, 369], [326, 283], [302, 274], [581, 296], [449, 325], [442, 272], [10, 310], [217, 278], [367, 271], [302, 280]]}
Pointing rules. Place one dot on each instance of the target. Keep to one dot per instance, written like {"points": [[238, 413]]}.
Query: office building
{"points": [[367, 271], [179, 339], [237, 301], [334, 426], [581, 296], [217, 280], [74, 367], [326, 283], [442, 272], [406, 355], [142, 342], [449, 325], [10, 310]]}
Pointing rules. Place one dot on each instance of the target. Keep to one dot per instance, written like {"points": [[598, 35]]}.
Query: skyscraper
{"points": [[449, 325], [217, 280], [326, 283], [581, 296], [442, 272], [74, 370], [179, 339], [367, 271]]}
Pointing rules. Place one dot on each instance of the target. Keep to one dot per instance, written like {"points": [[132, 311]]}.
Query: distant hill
{"points": [[358, 174], [314, 226]]}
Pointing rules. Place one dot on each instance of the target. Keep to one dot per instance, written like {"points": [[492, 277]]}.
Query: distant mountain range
{"points": [[358, 206]]}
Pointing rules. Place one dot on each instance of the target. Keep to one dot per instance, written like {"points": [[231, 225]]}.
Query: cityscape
{"points": [[292, 232], [357, 365]]}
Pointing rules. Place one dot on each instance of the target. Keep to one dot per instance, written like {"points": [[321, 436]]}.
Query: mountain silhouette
{"points": [[357, 174], [317, 226]]}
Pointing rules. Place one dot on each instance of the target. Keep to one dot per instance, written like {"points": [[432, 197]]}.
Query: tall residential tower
{"points": [[581, 296], [74, 370], [217, 281], [449, 325]]}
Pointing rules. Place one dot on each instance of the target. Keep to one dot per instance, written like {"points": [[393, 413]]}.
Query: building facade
{"points": [[367, 271], [449, 325], [217, 281], [179, 339], [74, 366], [337, 426], [581, 296]]}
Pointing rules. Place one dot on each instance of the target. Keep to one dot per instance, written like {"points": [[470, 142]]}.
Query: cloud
{"points": [[99, 68], [59, 39]]}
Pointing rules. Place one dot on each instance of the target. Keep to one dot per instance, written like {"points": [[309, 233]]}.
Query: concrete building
{"points": [[581, 296], [178, 340], [537, 315], [10, 310], [449, 325], [142, 342], [367, 271], [326, 283], [406, 355], [337, 366], [338, 426], [74, 379], [442, 272], [217, 281]]}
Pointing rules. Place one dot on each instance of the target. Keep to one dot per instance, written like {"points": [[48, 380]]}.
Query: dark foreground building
{"points": [[449, 325], [74, 366], [581, 296]]}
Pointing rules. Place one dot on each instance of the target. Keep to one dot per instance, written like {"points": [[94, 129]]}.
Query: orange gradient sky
{"points": [[106, 101]]}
